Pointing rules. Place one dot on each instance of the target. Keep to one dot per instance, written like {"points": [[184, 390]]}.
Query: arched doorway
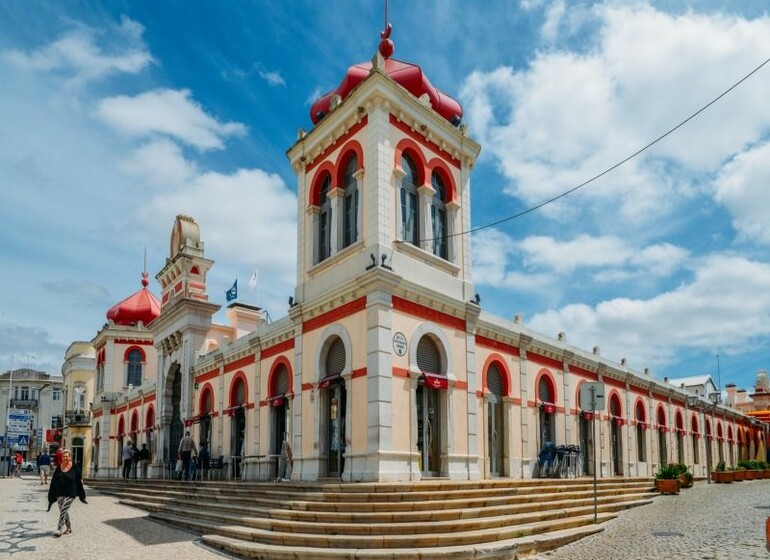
{"points": [[149, 430], [680, 437], [616, 434], [662, 429], [205, 409], [120, 441], [280, 383], [237, 425], [176, 428], [334, 406], [731, 445], [546, 393], [495, 423], [641, 439], [96, 447], [709, 445], [720, 444], [695, 437], [430, 404]]}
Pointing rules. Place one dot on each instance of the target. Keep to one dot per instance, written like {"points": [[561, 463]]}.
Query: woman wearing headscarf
{"points": [[66, 485]]}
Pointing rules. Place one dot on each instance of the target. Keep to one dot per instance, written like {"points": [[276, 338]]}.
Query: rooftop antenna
{"points": [[719, 376]]}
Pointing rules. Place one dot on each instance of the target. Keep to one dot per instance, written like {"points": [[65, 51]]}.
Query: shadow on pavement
{"points": [[147, 532]]}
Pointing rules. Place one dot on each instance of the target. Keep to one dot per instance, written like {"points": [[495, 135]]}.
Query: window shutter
{"points": [[614, 407], [335, 358], [495, 380], [281, 381], [240, 393], [544, 390], [428, 356]]}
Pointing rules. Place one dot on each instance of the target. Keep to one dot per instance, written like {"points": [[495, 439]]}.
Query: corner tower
{"points": [[383, 179]]}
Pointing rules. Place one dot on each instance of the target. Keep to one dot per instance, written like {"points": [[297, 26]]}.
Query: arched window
{"points": [[428, 356], [335, 358], [350, 231], [239, 393], [495, 382], [438, 217], [324, 219], [641, 441], [134, 371], [410, 210], [544, 390], [281, 380]]}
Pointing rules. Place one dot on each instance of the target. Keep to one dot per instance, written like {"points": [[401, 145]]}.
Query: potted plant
{"points": [[722, 476], [685, 477], [667, 480]]}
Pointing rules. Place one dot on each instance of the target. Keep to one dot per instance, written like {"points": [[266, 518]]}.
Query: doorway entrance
{"points": [[429, 429]]}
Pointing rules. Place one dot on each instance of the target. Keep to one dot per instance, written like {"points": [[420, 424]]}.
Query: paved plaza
{"points": [[707, 522], [101, 529]]}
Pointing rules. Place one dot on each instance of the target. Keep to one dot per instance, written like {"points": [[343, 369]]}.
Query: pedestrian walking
{"points": [[204, 459], [134, 461], [66, 485], [128, 457], [186, 449], [44, 466], [18, 460], [144, 460], [285, 460]]}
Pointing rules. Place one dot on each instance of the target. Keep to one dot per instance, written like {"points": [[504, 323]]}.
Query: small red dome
{"points": [[408, 76], [142, 306]]}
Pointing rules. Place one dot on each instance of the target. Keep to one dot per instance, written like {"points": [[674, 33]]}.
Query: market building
{"points": [[386, 366]]}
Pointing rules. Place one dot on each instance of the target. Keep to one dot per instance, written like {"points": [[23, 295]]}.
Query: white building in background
{"points": [[26, 392]]}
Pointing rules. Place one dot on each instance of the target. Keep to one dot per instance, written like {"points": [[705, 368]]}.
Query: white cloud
{"points": [[554, 15], [77, 54], [570, 115], [743, 187], [247, 217], [160, 163], [727, 300], [167, 112], [272, 78]]}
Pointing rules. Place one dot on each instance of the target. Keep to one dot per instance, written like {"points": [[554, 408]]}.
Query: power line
{"points": [[618, 164]]}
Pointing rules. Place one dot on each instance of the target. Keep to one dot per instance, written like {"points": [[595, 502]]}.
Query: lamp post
{"points": [[7, 461], [694, 401]]}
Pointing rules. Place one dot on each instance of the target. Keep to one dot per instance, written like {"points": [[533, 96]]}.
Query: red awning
{"points": [[618, 420], [644, 425], [328, 381], [548, 408], [277, 401], [587, 415], [435, 381]]}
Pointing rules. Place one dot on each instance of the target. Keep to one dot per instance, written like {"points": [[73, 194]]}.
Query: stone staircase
{"points": [[440, 518]]}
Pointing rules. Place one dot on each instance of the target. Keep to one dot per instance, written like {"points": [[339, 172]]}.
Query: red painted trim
{"points": [[136, 403], [148, 399], [500, 361], [211, 374], [279, 361], [197, 285], [135, 341], [400, 372], [178, 287], [403, 127], [575, 370], [637, 402], [546, 373], [239, 376], [614, 383], [121, 409], [326, 169], [479, 394], [207, 388], [131, 349], [329, 317], [361, 372], [439, 166], [544, 361], [351, 131], [307, 386], [615, 395], [278, 348], [348, 150], [98, 413], [409, 147], [496, 345], [423, 312], [165, 298], [149, 417], [238, 364], [460, 384]]}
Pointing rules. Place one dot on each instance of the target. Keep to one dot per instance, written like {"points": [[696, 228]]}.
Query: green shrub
{"points": [[720, 466], [667, 472]]}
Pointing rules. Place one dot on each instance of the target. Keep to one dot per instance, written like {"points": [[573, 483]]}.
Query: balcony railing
{"points": [[24, 403], [77, 418]]}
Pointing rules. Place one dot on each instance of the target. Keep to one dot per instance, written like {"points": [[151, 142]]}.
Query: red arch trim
{"points": [[694, 424], [637, 405], [135, 421], [131, 349], [315, 190], [615, 397], [205, 391], [272, 377], [122, 425], [439, 166], [492, 358], [412, 149], [149, 418], [661, 414], [551, 383], [679, 420], [348, 150], [239, 376]]}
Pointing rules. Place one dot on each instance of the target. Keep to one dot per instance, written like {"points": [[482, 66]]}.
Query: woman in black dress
{"points": [[66, 485]]}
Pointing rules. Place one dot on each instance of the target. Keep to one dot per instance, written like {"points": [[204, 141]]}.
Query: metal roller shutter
{"points": [[281, 381], [335, 358], [544, 390], [428, 356], [495, 380]]}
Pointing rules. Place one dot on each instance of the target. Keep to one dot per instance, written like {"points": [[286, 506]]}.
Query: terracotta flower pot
{"points": [[723, 477], [685, 481], [740, 475], [667, 486]]}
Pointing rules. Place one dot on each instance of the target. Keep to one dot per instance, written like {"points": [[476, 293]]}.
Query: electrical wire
{"points": [[616, 165]]}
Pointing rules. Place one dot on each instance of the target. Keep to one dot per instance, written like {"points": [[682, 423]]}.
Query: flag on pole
{"points": [[232, 293], [253, 280]]}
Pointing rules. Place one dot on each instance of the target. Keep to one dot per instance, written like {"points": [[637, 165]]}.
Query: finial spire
{"points": [[386, 45], [145, 281]]}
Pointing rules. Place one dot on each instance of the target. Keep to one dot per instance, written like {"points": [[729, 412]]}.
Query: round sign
{"points": [[399, 344]]}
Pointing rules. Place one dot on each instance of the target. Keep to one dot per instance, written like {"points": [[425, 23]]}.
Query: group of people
{"points": [[135, 461]]}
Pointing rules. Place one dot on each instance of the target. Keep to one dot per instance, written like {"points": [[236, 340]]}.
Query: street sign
{"points": [[23, 440], [592, 396]]}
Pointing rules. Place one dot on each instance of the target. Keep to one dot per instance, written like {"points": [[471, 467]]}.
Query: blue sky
{"points": [[116, 116]]}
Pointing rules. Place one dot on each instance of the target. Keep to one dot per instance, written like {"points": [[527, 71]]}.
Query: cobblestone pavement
{"points": [[101, 529], [706, 522]]}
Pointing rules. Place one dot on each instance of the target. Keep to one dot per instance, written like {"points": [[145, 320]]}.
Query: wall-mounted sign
{"points": [[399, 344]]}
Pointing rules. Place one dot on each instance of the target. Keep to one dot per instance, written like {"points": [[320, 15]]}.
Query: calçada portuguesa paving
{"points": [[102, 529], [707, 522]]}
